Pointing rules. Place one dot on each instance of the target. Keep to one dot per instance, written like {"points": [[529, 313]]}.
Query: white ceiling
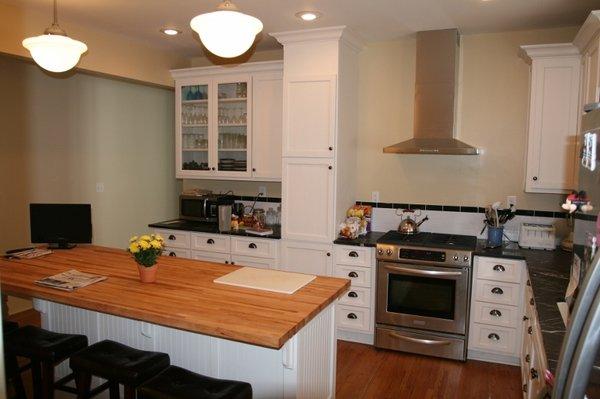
{"points": [[374, 20]]}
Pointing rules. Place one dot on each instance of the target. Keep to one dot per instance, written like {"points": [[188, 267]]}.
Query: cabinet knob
{"points": [[534, 373], [531, 301], [353, 294], [226, 262], [495, 313], [328, 253], [529, 330], [173, 254], [353, 275], [210, 241], [352, 316], [494, 337], [330, 148], [524, 387], [353, 254], [527, 358], [172, 237], [254, 169], [252, 245], [499, 268], [330, 167], [497, 291], [525, 318], [232, 262], [534, 178], [213, 168]]}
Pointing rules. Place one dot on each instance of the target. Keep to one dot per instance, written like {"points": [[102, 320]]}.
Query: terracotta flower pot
{"points": [[148, 274]]}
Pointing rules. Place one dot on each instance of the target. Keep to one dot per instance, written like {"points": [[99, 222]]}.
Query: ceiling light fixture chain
{"points": [[55, 29]]}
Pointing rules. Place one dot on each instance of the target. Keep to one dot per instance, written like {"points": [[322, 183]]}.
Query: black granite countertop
{"points": [[549, 275], [368, 240], [212, 228]]}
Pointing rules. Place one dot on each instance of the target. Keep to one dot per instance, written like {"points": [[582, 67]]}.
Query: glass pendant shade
{"points": [[55, 53], [226, 33]]}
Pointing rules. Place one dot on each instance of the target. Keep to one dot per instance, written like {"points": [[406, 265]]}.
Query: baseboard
{"points": [[354, 336], [493, 357]]}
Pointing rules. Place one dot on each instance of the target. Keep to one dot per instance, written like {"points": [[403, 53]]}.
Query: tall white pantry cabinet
{"points": [[320, 89]]}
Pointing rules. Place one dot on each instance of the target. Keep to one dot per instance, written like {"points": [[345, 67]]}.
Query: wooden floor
{"points": [[366, 372]]}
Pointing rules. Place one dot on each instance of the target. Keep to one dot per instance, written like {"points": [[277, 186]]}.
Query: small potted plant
{"points": [[145, 250]]}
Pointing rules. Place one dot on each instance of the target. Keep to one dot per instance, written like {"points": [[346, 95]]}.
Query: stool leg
{"points": [[36, 377], [48, 380], [114, 390], [15, 377], [129, 392], [83, 382]]}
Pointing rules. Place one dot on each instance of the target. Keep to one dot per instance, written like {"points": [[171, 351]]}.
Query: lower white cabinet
{"points": [[211, 256], [261, 263], [306, 257], [177, 252]]}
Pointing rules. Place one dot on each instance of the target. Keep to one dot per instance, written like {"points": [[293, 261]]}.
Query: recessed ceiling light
{"points": [[308, 15], [170, 31]]}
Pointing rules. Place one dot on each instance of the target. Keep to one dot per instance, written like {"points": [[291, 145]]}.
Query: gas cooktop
{"points": [[430, 240]]}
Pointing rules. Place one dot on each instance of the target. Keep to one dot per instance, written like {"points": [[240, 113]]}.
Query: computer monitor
{"points": [[60, 225]]}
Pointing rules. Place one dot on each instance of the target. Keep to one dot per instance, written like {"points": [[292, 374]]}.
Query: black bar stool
{"points": [[12, 370], [117, 363], [178, 383], [45, 349]]}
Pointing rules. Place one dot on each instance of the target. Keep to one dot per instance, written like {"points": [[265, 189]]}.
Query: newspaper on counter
{"points": [[71, 280]]}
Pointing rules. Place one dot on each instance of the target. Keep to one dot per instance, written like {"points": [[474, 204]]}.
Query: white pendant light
{"points": [[54, 50], [226, 32]]}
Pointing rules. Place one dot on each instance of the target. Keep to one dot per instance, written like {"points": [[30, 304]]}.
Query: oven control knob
{"points": [[388, 252], [455, 257], [466, 258], [380, 251]]}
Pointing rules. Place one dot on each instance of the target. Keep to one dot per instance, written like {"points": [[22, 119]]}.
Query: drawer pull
{"points": [[210, 241], [353, 254], [173, 254], [494, 337], [525, 318], [352, 316], [172, 237], [499, 268], [419, 341], [232, 262], [527, 358], [529, 330], [252, 245], [531, 301], [534, 374], [353, 294], [524, 387], [495, 313], [497, 291], [226, 262], [353, 275]]}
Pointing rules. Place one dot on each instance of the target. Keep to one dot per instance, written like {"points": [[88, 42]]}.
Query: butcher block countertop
{"points": [[184, 295]]}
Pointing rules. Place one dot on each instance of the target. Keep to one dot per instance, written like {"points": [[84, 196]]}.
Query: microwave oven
{"points": [[202, 208]]}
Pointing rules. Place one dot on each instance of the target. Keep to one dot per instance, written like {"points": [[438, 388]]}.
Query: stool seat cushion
{"points": [[34, 342], [119, 363], [9, 327], [178, 383]]}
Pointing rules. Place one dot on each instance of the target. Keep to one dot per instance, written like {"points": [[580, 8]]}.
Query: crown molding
{"points": [[250, 67], [530, 52], [333, 33], [588, 30]]}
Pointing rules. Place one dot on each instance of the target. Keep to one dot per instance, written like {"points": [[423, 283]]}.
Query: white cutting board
{"points": [[268, 280]]}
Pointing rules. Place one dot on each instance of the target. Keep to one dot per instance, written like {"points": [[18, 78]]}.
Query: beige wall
{"points": [[492, 116], [60, 136], [108, 53]]}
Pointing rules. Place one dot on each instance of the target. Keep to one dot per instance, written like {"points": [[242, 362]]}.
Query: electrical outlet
{"points": [[511, 201], [262, 190], [374, 196], [99, 187]]}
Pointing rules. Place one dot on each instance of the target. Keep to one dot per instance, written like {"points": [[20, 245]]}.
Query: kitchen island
{"points": [[284, 345]]}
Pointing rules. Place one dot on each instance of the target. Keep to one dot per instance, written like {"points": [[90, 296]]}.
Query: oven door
{"points": [[423, 297]]}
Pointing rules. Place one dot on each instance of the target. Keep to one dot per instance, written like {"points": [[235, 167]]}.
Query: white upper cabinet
{"points": [[588, 43], [310, 116], [267, 125], [553, 118], [217, 136]]}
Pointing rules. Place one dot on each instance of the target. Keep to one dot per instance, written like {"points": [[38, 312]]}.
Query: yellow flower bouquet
{"points": [[146, 249]]}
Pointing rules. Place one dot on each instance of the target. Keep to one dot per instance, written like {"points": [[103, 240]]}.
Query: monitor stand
{"points": [[61, 245]]}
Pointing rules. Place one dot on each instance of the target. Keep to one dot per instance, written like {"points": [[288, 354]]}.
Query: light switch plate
{"points": [[99, 187], [375, 196], [511, 201], [262, 190]]}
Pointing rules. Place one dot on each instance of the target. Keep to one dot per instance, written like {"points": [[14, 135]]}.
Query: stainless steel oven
{"points": [[423, 297]]}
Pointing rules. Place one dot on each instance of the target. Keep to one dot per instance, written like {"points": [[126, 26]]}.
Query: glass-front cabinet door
{"points": [[193, 133], [233, 127]]}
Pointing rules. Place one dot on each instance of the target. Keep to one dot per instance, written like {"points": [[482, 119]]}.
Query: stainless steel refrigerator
{"points": [[578, 373]]}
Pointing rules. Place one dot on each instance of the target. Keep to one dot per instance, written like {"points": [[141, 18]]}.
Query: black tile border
{"points": [[260, 199], [584, 216], [470, 209]]}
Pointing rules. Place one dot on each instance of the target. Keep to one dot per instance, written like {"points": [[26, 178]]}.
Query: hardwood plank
{"points": [[183, 297], [367, 372]]}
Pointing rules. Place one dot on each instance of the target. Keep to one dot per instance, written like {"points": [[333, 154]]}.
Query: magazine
{"points": [[71, 280]]}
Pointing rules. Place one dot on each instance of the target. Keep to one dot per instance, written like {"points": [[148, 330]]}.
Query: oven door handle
{"points": [[418, 272], [419, 341]]}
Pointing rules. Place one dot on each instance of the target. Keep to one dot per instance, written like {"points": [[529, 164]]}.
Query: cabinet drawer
{"points": [[211, 257], [359, 276], [352, 255], [350, 317], [177, 252], [495, 314], [261, 263], [175, 238], [256, 247], [499, 270], [357, 296], [496, 292], [211, 242], [493, 338]]}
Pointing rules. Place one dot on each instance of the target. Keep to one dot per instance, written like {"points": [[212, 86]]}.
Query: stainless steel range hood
{"points": [[435, 97]]}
